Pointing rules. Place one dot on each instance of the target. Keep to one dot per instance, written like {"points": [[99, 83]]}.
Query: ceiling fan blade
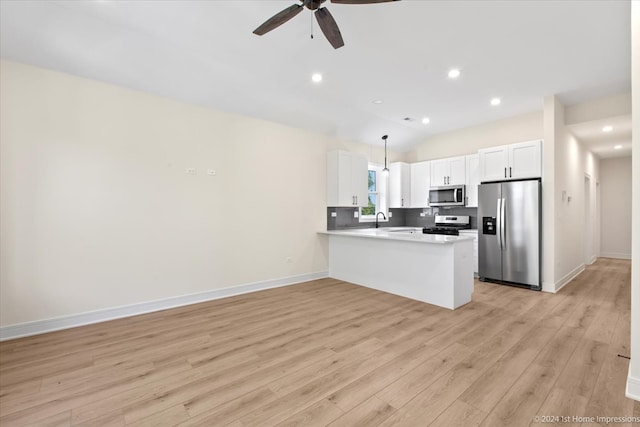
{"points": [[278, 19], [329, 28], [361, 1]]}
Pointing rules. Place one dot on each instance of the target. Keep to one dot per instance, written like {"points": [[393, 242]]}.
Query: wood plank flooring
{"points": [[331, 353]]}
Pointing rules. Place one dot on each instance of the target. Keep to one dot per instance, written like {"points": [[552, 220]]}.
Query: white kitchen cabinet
{"points": [[346, 179], [472, 180], [474, 234], [420, 183], [399, 185], [449, 171], [514, 161], [525, 160]]}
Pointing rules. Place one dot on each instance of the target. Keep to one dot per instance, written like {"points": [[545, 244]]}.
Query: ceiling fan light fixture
{"points": [[454, 73], [607, 128], [326, 22], [495, 101], [426, 120], [316, 77], [617, 147]]}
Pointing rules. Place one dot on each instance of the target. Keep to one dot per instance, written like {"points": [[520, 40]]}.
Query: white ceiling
{"points": [[603, 143], [204, 52]]}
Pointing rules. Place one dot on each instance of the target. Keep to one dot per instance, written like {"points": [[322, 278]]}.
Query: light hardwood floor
{"points": [[331, 353]]}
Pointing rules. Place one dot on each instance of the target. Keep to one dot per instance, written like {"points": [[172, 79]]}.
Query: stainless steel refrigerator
{"points": [[509, 226]]}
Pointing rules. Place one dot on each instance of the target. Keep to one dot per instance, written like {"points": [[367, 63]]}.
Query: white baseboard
{"points": [[87, 318], [615, 255], [633, 388], [593, 259], [569, 277]]}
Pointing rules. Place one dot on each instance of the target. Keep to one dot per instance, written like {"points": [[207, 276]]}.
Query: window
{"points": [[377, 187], [371, 209]]}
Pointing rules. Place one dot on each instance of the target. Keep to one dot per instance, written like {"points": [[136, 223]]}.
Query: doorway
{"points": [[588, 221]]}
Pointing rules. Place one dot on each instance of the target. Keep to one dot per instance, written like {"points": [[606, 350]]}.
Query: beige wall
{"points": [[97, 211], [611, 106], [469, 140], [615, 185], [571, 207]]}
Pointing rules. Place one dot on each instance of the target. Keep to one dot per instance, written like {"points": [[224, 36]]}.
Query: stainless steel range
{"points": [[448, 225]]}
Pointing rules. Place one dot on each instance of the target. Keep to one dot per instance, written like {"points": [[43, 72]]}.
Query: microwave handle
{"points": [[458, 193]]}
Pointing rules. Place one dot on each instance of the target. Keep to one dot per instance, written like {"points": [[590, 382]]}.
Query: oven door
{"points": [[447, 196]]}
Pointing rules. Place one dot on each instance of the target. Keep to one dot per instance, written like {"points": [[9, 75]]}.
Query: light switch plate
{"points": [[355, 214], [390, 214]]}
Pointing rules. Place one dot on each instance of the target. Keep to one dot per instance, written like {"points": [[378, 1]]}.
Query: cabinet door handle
{"points": [[509, 171], [356, 200], [505, 172]]}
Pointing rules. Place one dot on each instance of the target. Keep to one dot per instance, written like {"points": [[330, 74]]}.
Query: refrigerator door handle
{"points": [[498, 221], [503, 228]]}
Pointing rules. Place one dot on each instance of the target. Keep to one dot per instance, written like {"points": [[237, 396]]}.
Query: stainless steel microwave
{"points": [[451, 195]]}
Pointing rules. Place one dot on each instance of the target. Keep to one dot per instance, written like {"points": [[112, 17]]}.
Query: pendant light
{"points": [[386, 169]]}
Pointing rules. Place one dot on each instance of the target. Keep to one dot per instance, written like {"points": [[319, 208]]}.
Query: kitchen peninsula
{"points": [[435, 269]]}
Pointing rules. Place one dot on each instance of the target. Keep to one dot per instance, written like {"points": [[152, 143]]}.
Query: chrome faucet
{"points": [[385, 218]]}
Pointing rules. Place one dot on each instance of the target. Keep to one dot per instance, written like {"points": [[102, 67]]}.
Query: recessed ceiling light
{"points": [[377, 101], [454, 73], [316, 78], [495, 101], [617, 147], [607, 129], [426, 120]]}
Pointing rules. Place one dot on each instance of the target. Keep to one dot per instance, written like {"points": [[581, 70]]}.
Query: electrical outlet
{"points": [[355, 214], [334, 214], [422, 214], [191, 171], [211, 172], [390, 214]]}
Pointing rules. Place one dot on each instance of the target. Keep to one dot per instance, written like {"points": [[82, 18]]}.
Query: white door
{"points": [[473, 180], [359, 179], [457, 168], [396, 183], [494, 163], [439, 172], [525, 160], [420, 183]]}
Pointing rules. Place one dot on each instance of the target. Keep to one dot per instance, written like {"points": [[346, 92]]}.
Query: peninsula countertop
{"points": [[410, 234]]}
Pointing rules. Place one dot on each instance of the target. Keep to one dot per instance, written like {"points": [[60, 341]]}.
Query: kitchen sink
{"points": [[406, 230]]}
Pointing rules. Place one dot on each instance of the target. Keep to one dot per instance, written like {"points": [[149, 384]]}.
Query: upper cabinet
{"points": [[473, 180], [346, 179], [399, 185], [514, 161], [449, 171], [420, 183]]}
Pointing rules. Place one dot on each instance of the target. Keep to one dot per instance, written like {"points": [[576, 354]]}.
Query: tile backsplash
{"points": [[344, 219], [400, 217]]}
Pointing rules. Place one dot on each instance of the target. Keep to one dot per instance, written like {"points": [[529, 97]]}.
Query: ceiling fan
{"points": [[325, 20]]}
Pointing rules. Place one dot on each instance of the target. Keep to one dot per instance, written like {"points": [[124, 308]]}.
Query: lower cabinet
{"points": [[474, 234]]}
